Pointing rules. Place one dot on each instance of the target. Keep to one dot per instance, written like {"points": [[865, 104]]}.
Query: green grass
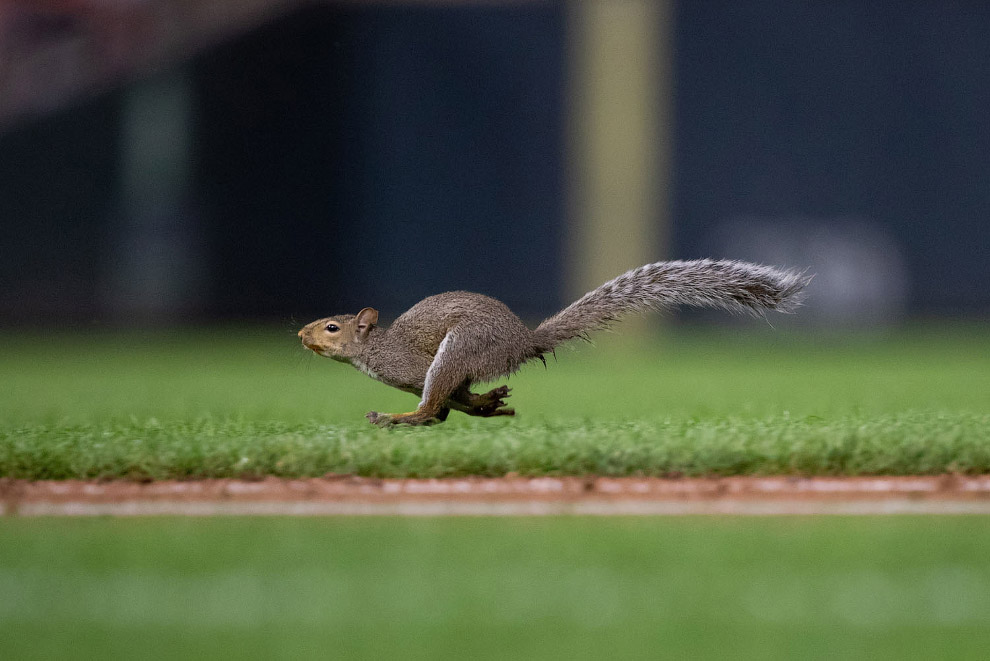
{"points": [[251, 402], [546, 588], [694, 402]]}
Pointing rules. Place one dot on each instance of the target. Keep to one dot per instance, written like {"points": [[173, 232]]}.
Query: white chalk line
{"points": [[585, 507]]}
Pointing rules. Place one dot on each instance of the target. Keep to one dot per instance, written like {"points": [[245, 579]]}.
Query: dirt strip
{"points": [[509, 496]]}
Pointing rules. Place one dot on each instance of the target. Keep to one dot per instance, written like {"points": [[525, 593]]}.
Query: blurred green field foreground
{"points": [[693, 401], [496, 588]]}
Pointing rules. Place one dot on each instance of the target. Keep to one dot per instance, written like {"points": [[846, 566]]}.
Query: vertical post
{"points": [[155, 270], [620, 85]]}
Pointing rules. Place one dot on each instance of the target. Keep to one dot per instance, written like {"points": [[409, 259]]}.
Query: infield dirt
{"points": [[351, 495]]}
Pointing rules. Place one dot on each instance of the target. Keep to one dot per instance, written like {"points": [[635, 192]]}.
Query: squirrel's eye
{"points": [[332, 328]]}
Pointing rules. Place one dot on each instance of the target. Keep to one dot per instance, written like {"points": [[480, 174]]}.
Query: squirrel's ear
{"points": [[365, 321]]}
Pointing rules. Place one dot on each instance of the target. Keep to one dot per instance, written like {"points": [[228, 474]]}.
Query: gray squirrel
{"points": [[446, 342]]}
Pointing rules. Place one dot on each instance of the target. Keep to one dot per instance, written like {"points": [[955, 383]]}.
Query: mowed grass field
{"points": [[477, 588], [695, 401]]}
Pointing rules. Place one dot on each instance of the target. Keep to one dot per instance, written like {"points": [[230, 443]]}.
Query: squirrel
{"points": [[446, 342]]}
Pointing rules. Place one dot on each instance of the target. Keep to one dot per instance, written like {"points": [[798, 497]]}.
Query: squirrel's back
{"points": [[490, 337]]}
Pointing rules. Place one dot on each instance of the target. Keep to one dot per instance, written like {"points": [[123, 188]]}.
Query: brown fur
{"points": [[444, 343]]}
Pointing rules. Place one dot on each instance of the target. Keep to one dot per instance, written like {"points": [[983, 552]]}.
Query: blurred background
{"points": [[170, 162]]}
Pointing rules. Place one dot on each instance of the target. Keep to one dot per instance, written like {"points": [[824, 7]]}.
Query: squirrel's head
{"points": [[340, 337]]}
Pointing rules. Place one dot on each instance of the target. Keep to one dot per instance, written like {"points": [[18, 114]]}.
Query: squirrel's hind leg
{"points": [[446, 373]]}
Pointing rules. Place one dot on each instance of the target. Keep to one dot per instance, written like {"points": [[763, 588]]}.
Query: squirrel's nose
{"points": [[299, 333]]}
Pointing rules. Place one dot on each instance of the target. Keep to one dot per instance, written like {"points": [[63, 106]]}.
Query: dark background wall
{"points": [[58, 190], [819, 112], [370, 157], [347, 156]]}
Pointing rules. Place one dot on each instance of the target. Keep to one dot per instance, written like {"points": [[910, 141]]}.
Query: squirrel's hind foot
{"points": [[489, 410], [491, 403], [497, 393], [498, 411]]}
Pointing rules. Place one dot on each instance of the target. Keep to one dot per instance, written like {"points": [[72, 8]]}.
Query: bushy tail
{"points": [[725, 284]]}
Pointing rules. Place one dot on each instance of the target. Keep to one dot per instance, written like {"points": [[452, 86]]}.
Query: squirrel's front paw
{"points": [[390, 420], [379, 419]]}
